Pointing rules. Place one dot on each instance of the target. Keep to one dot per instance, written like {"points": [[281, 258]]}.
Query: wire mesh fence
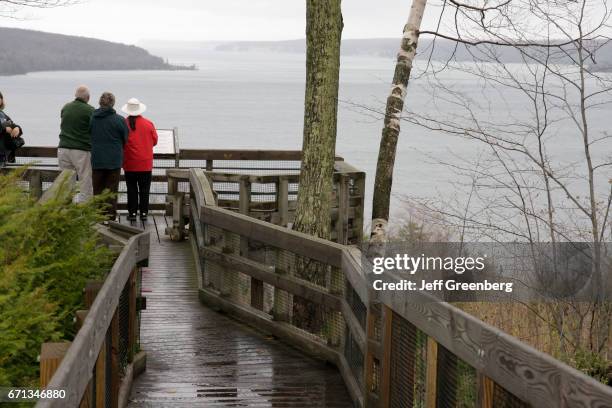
{"points": [[108, 369], [419, 365], [359, 309], [408, 364], [123, 314], [256, 167], [316, 320], [502, 398], [355, 359], [457, 387], [121, 341], [375, 312], [46, 162]]}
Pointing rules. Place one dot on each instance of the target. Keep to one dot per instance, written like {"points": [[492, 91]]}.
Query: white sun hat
{"points": [[134, 107]]}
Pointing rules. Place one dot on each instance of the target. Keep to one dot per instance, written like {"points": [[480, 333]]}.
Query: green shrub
{"points": [[48, 252], [592, 364]]}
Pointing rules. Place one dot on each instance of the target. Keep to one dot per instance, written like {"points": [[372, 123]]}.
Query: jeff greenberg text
{"points": [[440, 284]]}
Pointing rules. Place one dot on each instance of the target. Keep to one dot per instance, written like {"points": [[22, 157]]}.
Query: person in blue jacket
{"points": [[109, 134]]}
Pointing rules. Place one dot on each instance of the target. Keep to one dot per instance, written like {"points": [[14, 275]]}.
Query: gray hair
{"points": [[1, 101], [107, 100], [82, 93]]}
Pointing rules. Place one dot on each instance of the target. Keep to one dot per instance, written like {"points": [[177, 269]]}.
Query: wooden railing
{"points": [[273, 198], [97, 367], [191, 154], [222, 161], [391, 350]]}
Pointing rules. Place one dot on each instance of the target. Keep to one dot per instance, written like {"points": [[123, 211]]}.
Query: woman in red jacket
{"points": [[138, 158]]}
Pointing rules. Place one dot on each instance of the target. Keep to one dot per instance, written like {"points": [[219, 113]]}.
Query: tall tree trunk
{"points": [[391, 129], [323, 33], [313, 212]]}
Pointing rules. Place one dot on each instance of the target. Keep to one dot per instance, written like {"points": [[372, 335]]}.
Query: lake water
{"points": [[255, 101]]}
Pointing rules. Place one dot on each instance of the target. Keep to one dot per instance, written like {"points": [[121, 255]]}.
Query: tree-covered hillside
{"points": [[29, 51]]}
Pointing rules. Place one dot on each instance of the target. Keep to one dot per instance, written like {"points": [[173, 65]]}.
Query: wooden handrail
{"points": [[268, 275], [218, 176], [204, 195], [75, 370], [193, 154], [532, 376], [242, 154], [265, 232], [299, 243]]}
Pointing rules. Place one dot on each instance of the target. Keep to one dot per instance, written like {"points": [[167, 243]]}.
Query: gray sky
{"points": [[135, 20]]}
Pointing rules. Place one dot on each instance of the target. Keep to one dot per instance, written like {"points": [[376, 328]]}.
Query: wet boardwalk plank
{"points": [[197, 357]]}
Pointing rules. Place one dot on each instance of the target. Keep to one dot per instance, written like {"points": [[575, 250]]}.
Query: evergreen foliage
{"points": [[48, 253]]}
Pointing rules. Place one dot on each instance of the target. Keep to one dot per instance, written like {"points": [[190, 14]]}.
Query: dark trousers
{"points": [[138, 187], [107, 179]]}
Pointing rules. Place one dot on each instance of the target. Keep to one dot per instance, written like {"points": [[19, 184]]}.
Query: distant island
{"points": [[33, 51], [600, 61]]}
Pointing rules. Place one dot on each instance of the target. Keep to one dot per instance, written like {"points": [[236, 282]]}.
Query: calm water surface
{"points": [[256, 101]]}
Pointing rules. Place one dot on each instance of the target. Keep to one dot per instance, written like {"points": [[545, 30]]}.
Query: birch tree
{"points": [[391, 129], [549, 59], [323, 34]]}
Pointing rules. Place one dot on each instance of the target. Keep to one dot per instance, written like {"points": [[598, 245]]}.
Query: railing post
{"points": [[373, 346], [225, 281], [336, 287], [283, 301], [245, 195], [172, 189], [343, 208], [359, 184], [80, 316], [431, 379], [209, 165], [177, 149], [177, 233], [385, 378], [51, 355], [257, 287], [282, 198], [91, 291], [35, 184], [486, 388]]}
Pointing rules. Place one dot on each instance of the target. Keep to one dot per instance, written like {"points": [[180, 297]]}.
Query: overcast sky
{"points": [[130, 21]]}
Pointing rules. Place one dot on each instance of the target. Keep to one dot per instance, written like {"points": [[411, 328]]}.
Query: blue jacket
{"points": [[109, 133]]}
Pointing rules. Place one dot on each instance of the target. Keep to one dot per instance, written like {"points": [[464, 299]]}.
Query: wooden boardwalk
{"points": [[197, 357]]}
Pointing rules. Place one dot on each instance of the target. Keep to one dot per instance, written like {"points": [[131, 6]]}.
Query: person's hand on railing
{"points": [[15, 132]]}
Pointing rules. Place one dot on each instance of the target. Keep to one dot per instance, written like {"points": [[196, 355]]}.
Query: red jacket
{"points": [[138, 151]]}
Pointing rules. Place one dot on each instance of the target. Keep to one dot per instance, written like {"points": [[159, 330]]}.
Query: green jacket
{"points": [[74, 134], [109, 133]]}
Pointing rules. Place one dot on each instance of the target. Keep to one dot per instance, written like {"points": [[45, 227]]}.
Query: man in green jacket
{"points": [[74, 151]]}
